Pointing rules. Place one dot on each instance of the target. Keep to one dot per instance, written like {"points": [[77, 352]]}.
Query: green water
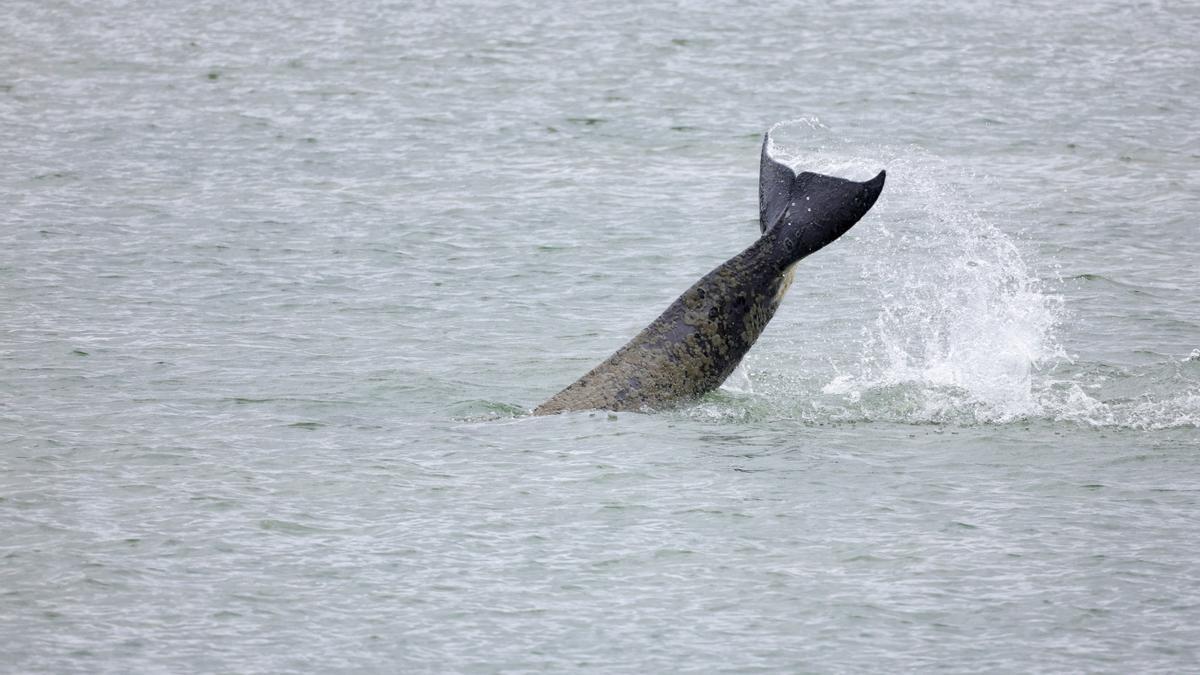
{"points": [[279, 284]]}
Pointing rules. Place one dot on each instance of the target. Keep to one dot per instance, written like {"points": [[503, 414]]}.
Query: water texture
{"points": [[280, 282]]}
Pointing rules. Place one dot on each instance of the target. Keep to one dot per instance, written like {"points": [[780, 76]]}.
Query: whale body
{"points": [[697, 342]]}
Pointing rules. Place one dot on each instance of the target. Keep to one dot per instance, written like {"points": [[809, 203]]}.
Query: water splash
{"points": [[966, 330], [961, 327], [963, 322], [1159, 396]]}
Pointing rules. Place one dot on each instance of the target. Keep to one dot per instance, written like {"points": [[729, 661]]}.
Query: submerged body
{"points": [[698, 341]]}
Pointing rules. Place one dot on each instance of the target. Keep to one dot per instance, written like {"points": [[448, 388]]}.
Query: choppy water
{"points": [[279, 283]]}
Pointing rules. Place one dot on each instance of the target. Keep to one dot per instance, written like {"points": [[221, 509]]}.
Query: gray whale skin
{"points": [[696, 343]]}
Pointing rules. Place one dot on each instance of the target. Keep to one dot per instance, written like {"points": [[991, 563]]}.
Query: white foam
{"points": [[965, 330], [963, 323]]}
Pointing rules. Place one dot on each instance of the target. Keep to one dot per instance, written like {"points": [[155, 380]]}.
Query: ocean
{"points": [[281, 282]]}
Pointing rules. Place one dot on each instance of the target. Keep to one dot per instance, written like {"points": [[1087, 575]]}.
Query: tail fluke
{"points": [[810, 210], [774, 188]]}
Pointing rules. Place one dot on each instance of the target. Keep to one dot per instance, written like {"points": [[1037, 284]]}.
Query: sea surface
{"points": [[280, 283]]}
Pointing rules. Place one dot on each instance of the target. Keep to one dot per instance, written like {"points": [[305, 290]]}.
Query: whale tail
{"points": [[810, 210]]}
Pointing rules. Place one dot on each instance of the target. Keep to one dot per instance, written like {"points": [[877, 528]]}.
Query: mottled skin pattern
{"points": [[693, 346], [697, 342]]}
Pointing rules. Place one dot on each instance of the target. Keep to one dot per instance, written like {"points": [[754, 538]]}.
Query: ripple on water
{"points": [[281, 284]]}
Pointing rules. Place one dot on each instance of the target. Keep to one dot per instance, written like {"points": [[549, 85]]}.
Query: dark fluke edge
{"points": [[697, 342]]}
